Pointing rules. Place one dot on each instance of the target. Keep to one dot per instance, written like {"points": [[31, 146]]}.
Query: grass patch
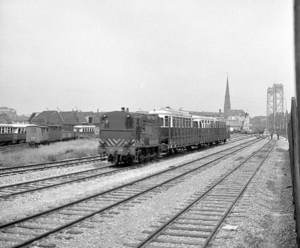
{"points": [[53, 152]]}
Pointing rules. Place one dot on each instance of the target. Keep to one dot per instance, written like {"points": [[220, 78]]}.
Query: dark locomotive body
{"points": [[128, 137], [135, 137]]}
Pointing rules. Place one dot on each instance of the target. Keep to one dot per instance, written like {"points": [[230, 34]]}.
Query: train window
{"points": [[104, 123], [161, 122], [129, 122], [166, 121]]}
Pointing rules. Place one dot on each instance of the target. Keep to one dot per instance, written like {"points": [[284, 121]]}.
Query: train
{"points": [[36, 135], [133, 137], [12, 133], [45, 134]]}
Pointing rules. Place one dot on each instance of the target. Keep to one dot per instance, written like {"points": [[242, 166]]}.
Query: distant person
{"points": [[277, 135], [271, 135]]}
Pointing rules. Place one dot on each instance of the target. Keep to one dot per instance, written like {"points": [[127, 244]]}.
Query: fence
{"points": [[294, 158]]}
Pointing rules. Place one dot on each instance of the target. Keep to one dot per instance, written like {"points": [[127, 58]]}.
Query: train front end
{"points": [[117, 137]]}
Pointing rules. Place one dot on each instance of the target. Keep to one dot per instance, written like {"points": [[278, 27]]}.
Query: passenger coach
{"points": [[12, 133]]}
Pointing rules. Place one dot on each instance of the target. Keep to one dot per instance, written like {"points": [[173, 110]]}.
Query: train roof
{"points": [[170, 112], [21, 125], [204, 118], [84, 126], [36, 125], [135, 115], [5, 125]]}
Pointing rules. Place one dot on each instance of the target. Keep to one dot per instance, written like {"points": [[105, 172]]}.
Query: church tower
{"points": [[227, 106]]}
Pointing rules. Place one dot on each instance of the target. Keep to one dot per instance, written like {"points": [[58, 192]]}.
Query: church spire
{"points": [[227, 106]]}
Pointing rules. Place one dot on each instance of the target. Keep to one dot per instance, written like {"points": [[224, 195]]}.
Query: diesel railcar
{"points": [[135, 137]]}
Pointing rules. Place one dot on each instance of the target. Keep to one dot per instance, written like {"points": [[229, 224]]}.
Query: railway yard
{"points": [[237, 194]]}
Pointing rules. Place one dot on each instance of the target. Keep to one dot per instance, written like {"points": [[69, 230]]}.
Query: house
{"points": [[66, 118], [4, 119], [238, 120]]}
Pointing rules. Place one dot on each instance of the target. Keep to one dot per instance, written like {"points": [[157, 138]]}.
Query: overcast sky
{"points": [[144, 54]]}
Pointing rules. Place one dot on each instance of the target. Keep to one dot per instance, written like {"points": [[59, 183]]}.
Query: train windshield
{"points": [[117, 121]]}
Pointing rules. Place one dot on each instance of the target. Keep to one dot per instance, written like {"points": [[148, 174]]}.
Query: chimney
{"points": [[127, 109]]}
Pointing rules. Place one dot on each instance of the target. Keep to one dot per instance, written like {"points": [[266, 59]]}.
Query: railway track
{"points": [[5, 171], [197, 223], [7, 191], [42, 166], [61, 163], [25, 231]]}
